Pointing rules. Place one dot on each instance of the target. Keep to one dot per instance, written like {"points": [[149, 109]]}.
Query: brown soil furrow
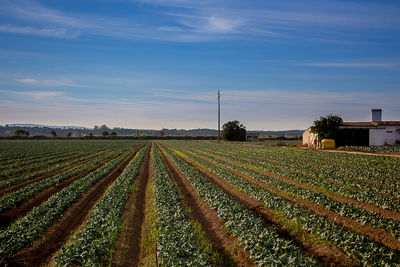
{"points": [[200, 212], [362, 153], [377, 234], [55, 236], [23, 208], [50, 165], [325, 179], [384, 213], [324, 252], [127, 248], [15, 187]]}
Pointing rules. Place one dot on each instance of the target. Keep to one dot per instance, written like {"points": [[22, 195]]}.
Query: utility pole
{"points": [[219, 117]]}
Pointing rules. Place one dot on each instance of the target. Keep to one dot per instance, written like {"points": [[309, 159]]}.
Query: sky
{"points": [[153, 64]]}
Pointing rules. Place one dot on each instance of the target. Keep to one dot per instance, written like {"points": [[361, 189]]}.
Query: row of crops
{"points": [[310, 199]]}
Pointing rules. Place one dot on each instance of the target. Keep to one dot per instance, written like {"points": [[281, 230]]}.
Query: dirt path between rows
{"points": [[382, 212], [325, 253], [276, 164], [55, 236], [52, 165], [23, 208], [362, 153], [127, 248], [18, 186], [200, 211], [377, 234]]}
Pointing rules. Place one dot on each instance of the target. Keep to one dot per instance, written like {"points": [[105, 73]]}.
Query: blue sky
{"points": [[159, 63]]}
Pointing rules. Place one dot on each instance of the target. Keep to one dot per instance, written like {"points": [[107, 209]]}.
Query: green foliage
{"points": [[263, 243], [92, 245], [233, 131], [105, 133], [22, 232], [178, 243], [327, 127], [20, 132], [297, 164], [113, 133], [69, 134]]}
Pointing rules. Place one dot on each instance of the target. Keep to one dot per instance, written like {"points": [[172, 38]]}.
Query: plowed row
{"points": [[279, 217]]}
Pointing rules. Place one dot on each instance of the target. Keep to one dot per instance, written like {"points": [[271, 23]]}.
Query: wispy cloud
{"points": [[257, 109], [36, 95], [359, 64], [196, 21], [49, 83], [62, 33]]}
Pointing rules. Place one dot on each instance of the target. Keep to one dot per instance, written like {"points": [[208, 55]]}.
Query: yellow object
{"points": [[328, 144]]}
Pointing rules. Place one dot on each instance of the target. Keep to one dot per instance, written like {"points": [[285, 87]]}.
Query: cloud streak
{"points": [[203, 21]]}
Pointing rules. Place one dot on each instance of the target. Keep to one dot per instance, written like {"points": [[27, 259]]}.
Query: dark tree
{"points": [[19, 132], [161, 133], [69, 134], [233, 131], [53, 133], [113, 133], [90, 134], [327, 127], [105, 133]]}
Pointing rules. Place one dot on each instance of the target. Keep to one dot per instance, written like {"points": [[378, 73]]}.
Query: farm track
{"points": [[55, 236], [376, 234], [329, 255], [22, 209], [18, 186], [200, 212], [382, 212], [127, 248]]}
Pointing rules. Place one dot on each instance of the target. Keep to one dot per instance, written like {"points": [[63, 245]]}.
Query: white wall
{"points": [[386, 134], [308, 137]]}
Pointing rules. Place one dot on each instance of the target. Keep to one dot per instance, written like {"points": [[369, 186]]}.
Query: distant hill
{"points": [[38, 129]]}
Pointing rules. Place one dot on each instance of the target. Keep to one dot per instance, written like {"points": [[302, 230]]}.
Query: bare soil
{"points": [[384, 213], [327, 254], [15, 187], [362, 153], [378, 234], [127, 248], [200, 211], [23, 208], [55, 236]]}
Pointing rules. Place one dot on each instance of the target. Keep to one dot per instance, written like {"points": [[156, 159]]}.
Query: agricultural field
{"points": [[191, 203]]}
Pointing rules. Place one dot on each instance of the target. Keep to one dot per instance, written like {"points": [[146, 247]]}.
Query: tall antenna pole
{"points": [[219, 117]]}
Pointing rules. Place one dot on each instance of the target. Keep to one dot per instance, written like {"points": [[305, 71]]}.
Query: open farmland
{"points": [[175, 203]]}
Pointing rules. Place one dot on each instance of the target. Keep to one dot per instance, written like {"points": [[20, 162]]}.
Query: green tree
{"points": [[113, 133], [233, 131], [53, 133], [69, 134], [327, 127], [90, 134], [105, 133], [19, 132], [161, 133]]}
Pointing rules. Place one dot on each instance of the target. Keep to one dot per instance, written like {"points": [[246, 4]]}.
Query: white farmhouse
{"points": [[373, 133]]}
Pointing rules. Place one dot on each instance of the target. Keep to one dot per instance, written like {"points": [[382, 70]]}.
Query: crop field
{"points": [[191, 203]]}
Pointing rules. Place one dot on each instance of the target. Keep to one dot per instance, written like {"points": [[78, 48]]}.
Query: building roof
{"points": [[370, 123]]}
